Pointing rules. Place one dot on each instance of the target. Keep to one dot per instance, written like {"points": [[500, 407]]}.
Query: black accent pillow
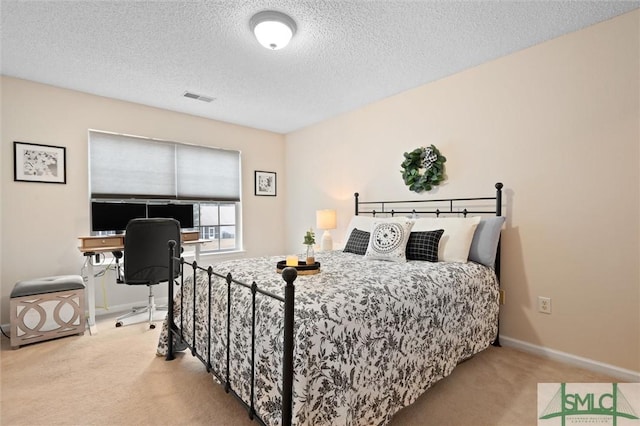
{"points": [[424, 245], [358, 242]]}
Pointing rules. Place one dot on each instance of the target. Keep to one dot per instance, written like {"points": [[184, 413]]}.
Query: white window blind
{"points": [[130, 167], [203, 171]]}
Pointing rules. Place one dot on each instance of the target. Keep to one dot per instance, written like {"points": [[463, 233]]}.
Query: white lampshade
{"points": [[326, 219], [273, 29]]}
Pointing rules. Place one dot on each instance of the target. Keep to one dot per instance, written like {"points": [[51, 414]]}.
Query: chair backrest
{"points": [[146, 252]]}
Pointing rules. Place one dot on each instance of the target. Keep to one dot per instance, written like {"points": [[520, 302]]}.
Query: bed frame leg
{"points": [[289, 275], [496, 342], [499, 187], [170, 325]]}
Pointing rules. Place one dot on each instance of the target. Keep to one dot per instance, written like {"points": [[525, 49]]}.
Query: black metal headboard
{"points": [[443, 206]]}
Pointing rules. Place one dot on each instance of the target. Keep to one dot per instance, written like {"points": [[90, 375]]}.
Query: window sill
{"points": [[218, 256]]}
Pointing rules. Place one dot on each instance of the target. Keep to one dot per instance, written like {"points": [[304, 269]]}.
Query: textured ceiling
{"points": [[344, 55]]}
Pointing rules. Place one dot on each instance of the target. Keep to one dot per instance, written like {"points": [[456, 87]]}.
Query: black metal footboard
{"points": [[289, 275]]}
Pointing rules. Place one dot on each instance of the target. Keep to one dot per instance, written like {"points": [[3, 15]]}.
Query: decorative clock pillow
{"points": [[388, 239]]}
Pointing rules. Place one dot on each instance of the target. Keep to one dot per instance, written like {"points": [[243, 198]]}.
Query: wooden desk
{"points": [[104, 243], [89, 246]]}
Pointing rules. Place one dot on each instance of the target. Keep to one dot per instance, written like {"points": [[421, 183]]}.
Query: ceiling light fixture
{"points": [[273, 29]]}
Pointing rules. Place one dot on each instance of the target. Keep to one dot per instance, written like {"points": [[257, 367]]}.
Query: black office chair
{"points": [[146, 258]]}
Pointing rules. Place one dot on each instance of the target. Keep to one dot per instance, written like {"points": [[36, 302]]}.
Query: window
{"points": [[218, 224], [140, 170]]}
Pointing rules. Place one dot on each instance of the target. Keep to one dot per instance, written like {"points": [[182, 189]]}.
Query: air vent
{"points": [[198, 97]]}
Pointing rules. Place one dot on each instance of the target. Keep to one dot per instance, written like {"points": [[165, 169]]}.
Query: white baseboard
{"points": [[586, 363]]}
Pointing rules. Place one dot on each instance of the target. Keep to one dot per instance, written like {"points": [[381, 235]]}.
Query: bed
{"points": [[363, 338]]}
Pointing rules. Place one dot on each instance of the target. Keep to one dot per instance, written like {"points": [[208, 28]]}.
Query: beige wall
{"points": [[41, 222], [558, 124]]}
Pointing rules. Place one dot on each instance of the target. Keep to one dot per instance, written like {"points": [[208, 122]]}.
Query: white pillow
{"points": [[363, 223], [388, 239], [456, 239]]}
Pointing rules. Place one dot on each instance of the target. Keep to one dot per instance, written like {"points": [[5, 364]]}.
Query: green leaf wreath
{"points": [[423, 168]]}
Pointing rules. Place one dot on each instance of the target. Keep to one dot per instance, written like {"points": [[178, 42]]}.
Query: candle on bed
{"points": [[292, 260]]}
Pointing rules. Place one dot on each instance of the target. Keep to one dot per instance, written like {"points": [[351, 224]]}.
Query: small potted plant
{"points": [[309, 241]]}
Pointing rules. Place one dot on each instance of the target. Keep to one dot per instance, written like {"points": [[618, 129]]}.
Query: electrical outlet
{"points": [[544, 305]]}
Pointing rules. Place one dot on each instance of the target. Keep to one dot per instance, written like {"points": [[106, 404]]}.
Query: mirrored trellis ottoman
{"points": [[47, 308]]}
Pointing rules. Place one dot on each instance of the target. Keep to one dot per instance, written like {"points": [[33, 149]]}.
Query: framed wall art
{"points": [[39, 163], [265, 183]]}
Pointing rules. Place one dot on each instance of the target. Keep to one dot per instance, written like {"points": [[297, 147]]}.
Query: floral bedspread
{"points": [[370, 336]]}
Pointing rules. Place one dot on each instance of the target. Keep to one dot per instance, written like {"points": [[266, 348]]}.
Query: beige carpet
{"points": [[115, 378]]}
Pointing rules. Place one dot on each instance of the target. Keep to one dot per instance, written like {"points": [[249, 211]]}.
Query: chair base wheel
{"points": [[152, 326], [119, 324]]}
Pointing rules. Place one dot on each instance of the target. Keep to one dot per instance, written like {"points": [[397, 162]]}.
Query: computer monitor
{"points": [[114, 216], [183, 213]]}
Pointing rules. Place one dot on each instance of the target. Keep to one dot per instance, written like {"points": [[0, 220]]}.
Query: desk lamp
{"points": [[326, 220]]}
